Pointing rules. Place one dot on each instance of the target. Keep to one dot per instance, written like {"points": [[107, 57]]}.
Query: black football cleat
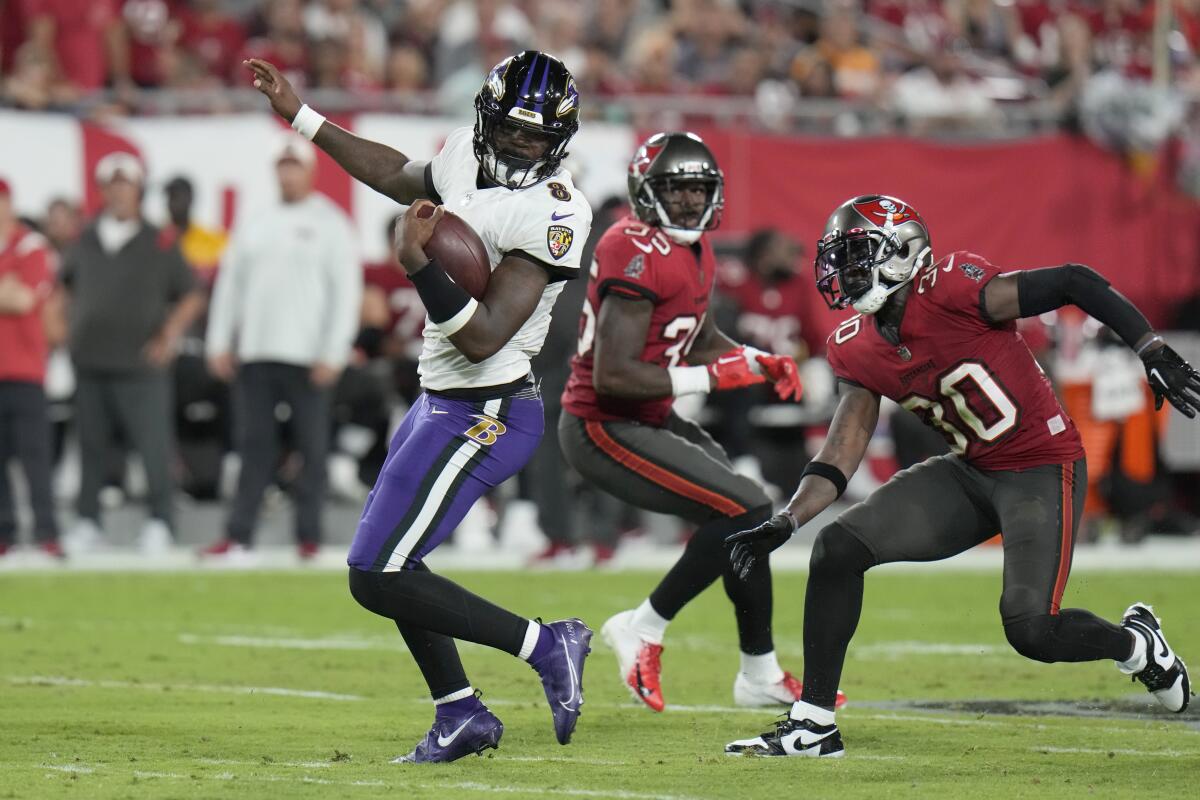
{"points": [[1163, 673], [792, 737]]}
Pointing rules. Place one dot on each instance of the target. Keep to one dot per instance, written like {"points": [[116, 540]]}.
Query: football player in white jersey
{"points": [[480, 417]]}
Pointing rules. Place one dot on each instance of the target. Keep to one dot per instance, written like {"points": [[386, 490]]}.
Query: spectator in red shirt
{"points": [[214, 37], [12, 32], [765, 299], [152, 27], [86, 39], [284, 43], [770, 293], [25, 285]]}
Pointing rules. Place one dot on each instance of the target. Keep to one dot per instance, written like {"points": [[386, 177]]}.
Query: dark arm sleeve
{"points": [[1042, 290]]}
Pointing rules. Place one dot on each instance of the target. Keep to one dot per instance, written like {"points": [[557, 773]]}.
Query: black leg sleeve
{"points": [[704, 559], [832, 606], [752, 597], [437, 658], [1072, 634], [421, 599]]}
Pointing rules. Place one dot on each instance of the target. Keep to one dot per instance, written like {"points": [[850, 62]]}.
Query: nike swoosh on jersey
{"points": [[555, 217], [437, 411], [443, 741]]}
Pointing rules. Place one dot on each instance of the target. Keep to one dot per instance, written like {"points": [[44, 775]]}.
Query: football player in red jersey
{"points": [[646, 338], [940, 339]]}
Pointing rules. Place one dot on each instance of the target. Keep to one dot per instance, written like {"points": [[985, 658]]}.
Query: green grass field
{"points": [[169, 686]]}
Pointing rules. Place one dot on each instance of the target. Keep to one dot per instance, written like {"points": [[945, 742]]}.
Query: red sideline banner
{"points": [[1028, 203]]}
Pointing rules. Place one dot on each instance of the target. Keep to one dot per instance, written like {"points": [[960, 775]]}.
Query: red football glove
{"points": [[732, 371], [782, 371]]}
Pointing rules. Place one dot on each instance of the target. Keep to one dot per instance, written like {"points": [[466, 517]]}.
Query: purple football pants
{"points": [[446, 454]]}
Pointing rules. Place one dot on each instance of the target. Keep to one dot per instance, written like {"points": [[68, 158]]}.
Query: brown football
{"points": [[459, 250]]}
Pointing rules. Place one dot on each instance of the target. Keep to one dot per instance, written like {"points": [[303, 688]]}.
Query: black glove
{"points": [[1173, 379], [749, 546]]}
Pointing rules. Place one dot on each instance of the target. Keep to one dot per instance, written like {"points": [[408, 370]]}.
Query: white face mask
{"points": [[507, 175]]}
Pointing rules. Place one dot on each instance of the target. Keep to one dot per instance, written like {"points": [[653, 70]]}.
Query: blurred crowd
{"points": [[929, 65], [160, 359]]}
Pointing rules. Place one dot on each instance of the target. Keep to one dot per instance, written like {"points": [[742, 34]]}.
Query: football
{"points": [[459, 250]]}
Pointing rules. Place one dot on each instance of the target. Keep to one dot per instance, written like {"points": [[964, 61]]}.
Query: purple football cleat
{"points": [[561, 671], [451, 738]]}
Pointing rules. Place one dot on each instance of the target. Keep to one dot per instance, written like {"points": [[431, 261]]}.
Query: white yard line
{"points": [[542, 791], [292, 643], [911, 648], [989, 723], [1105, 751], [58, 680], [78, 768], [598, 762], [217, 762], [473, 786]]}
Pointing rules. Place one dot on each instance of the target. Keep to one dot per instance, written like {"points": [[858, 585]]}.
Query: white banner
{"points": [[229, 161]]}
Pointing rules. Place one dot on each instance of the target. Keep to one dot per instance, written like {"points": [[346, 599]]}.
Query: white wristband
{"points": [[752, 354], [689, 380], [307, 122], [455, 324]]}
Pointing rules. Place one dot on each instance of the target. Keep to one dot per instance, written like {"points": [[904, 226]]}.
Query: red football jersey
{"points": [[975, 383], [770, 314], [26, 257], [638, 261], [406, 312]]}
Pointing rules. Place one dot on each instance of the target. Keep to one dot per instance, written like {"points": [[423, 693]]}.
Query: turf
{"points": [[135, 686]]}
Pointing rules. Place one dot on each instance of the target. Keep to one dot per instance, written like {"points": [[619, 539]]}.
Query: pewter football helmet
{"points": [[665, 161], [873, 245]]}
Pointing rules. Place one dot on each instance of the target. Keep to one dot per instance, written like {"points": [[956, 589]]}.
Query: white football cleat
{"points": [[753, 694], [639, 661], [792, 737], [1161, 671]]}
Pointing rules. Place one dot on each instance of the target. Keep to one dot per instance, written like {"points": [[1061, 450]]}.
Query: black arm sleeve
{"points": [[1042, 290], [443, 298]]}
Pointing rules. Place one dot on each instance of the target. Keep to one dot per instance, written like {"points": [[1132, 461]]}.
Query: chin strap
{"points": [[874, 298]]}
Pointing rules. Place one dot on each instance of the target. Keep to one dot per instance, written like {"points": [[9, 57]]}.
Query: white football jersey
{"points": [[549, 221]]}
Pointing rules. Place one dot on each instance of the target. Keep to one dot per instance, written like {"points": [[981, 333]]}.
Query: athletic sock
{"points": [[803, 710], [648, 623], [457, 704], [538, 641], [762, 668]]}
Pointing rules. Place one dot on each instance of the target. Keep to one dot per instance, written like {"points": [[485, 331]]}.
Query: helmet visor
{"points": [[846, 264]]}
